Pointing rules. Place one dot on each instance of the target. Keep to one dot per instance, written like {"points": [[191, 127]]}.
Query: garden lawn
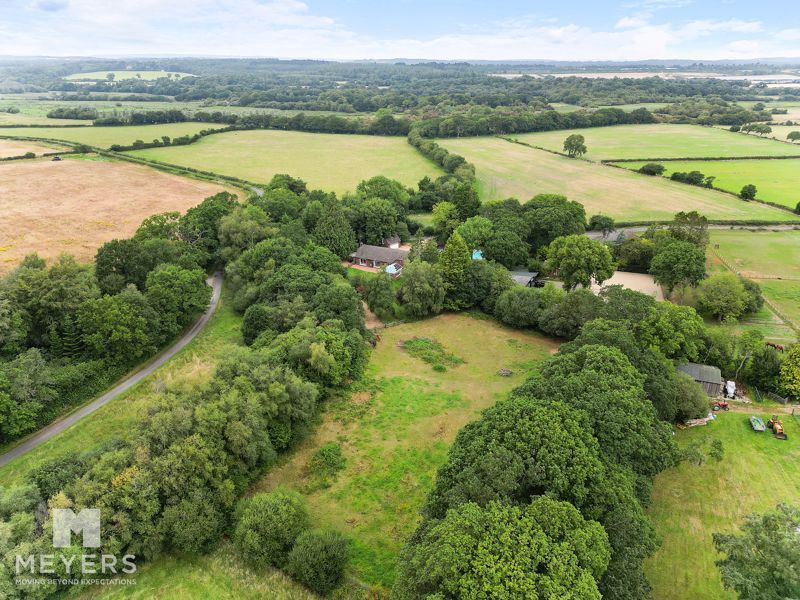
{"points": [[326, 161], [104, 137], [192, 366], [690, 503], [506, 169], [777, 180], [660, 141], [396, 429]]}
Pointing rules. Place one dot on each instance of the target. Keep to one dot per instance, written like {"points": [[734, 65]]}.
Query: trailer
{"points": [[757, 423]]}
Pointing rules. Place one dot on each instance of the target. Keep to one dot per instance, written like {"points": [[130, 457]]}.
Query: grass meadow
{"points": [[661, 141], [104, 137], [691, 502], [396, 429], [192, 366], [326, 161], [505, 169], [777, 181]]}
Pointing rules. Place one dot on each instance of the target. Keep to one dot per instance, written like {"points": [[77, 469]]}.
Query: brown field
{"points": [[20, 147], [75, 206]]}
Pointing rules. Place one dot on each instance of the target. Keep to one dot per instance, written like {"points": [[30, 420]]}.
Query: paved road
{"points": [[55, 428]]}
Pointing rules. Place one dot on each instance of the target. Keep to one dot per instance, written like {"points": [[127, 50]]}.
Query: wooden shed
{"points": [[706, 375]]}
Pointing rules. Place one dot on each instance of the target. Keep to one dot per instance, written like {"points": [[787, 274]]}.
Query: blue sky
{"points": [[449, 29]]}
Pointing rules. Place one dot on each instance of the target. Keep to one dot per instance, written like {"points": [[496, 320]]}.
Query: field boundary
{"points": [[698, 159], [786, 321]]}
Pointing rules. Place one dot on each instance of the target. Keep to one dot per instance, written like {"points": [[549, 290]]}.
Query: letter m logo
{"points": [[66, 522]]}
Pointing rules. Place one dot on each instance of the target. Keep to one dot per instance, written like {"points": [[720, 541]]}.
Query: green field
{"points": [[122, 75], [190, 367], [396, 431], [326, 161], [777, 180], [760, 254], [690, 502], [661, 141], [785, 295], [104, 137], [506, 169]]}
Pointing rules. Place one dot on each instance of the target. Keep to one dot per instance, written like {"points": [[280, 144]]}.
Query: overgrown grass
{"points": [[432, 352], [191, 367], [396, 429], [691, 502]]}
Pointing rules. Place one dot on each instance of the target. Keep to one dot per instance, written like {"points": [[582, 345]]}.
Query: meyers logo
{"points": [[65, 523]]}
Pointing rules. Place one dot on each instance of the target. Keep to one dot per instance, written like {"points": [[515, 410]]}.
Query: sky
{"points": [[415, 29]]}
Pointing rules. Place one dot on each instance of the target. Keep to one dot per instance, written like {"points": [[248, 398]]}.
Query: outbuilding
{"points": [[706, 375]]}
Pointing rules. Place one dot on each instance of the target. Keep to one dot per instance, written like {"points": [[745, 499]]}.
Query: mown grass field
{"points": [[505, 169], [325, 161], [661, 141], [104, 137], [777, 181], [691, 502], [395, 432], [122, 75], [192, 366], [760, 254]]}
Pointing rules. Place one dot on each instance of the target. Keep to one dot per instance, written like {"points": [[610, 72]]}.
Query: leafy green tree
{"points": [[579, 260], [673, 330], [279, 204], [26, 388], [118, 327], [692, 402], [793, 136], [575, 145], [765, 369], [200, 225], [13, 331], [761, 561], [318, 560], [427, 250], [333, 231], [545, 550], [790, 372], [748, 192], [159, 226], [678, 263], [754, 299], [268, 526], [565, 318], [379, 218], [176, 295], [466, 200], [452, 265], [242, 229], [602, 223], [476, 231], [690, 227], [507, 248], [722, 296], [652, 169], [422, 289], [484, 282], [445, 219], [380, 295], [551, 216], [519, 307], [388, 189]]}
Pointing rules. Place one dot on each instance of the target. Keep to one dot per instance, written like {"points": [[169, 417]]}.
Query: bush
{"points": [[327, 460], [318, 560], [692, 402], [652, 169], [748, 192], [268, 527]]}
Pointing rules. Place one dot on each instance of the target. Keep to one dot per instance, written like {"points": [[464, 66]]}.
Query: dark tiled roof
{"points": [[379, 253], [704, 373]]}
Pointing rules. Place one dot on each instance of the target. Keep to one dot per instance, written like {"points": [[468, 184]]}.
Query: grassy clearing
{"points": [[760, 254], [192, 366], [217, 576], [661, 141], [122, 75], [104, 137], [327, 161], [690, 502], [777, 180], [505, 169], [395, 432]]}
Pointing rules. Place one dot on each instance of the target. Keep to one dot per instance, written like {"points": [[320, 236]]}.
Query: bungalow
{"points": [[378, 256], [707, 376]]}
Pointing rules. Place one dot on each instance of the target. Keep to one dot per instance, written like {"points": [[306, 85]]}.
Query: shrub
{"points": [[692, 402], [652, 169], [327, 460], [318, 560], [268, 527], [748, 192]]}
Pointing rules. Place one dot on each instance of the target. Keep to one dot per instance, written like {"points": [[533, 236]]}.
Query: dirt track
{"points": [[75, 206]]}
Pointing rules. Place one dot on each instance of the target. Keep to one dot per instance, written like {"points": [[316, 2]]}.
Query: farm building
{"points": [[392, 242], [707, 376], [378, 256]]}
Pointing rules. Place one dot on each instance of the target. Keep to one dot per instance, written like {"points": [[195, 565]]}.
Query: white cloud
{"points": [[290, 29]]}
